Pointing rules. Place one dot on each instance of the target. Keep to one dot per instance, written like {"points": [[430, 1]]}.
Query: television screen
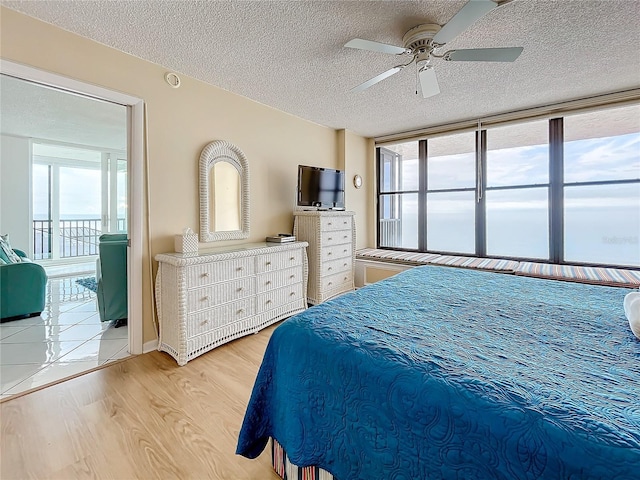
{"points": [[320, 187]]}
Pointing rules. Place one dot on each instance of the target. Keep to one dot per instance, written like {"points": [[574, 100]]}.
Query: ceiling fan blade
{"points": [[429, 82], [508, 54], [462, 20], [374, 46], [376, 79]]}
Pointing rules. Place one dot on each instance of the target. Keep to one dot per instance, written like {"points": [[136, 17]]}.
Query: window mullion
{"points": [[422, 195], [378, 190], [556, 190], [481, 206]]}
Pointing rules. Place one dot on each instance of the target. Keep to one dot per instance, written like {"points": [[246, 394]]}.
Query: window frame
{"points": [[555, 186]]}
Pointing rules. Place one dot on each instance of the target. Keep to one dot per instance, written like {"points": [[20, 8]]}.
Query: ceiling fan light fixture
{"points": [[420, 37]]}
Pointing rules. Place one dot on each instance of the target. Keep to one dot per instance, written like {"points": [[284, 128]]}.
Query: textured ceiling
{"points": [[34, 111], [290, 54]]}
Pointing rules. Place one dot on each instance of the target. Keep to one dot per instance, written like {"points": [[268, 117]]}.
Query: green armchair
{"points": [[111, 277], [22, 289]]}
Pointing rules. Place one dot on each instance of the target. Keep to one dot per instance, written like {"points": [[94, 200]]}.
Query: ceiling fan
{"points": [[422, 41]]}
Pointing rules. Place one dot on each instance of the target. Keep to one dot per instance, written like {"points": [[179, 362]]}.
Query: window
{"points": [[41, 201], [451, 186], [398, 201], [602, 186], [78, 194], [517, 190], [563, 190]]}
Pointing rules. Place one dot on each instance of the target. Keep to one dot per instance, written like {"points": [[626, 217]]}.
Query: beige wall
{"points": [[355, 156], [181, 122]]}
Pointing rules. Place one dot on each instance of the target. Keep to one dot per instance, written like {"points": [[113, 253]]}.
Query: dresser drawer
{"points": [[272, 280], [333, 267], [206, 320], [335, 237], [208, 273], [340, 281], [279, 261], [213, 295], [335, 223], [276, 298], [335, 252]]}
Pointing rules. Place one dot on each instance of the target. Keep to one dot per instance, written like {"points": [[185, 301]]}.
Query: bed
{"points": [[440, 372]]}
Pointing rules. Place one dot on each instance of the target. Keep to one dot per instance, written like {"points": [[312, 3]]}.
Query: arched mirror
{"points": [[224, 193]]}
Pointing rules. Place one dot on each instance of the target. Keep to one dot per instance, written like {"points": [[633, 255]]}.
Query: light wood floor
{"points": [[145, 417]]}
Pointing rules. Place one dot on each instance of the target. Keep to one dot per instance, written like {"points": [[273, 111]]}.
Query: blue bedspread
{"points": [[454, 374]]}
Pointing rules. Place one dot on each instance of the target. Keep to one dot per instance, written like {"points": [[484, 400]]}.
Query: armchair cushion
{"points": [[111, 277], [22, 289]]}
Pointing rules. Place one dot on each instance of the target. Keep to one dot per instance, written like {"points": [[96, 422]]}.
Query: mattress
{"points": [[447, 373]]}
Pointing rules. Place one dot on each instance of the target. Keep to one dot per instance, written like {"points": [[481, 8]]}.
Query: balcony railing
{"points": [[390, 232], [77, 238]]}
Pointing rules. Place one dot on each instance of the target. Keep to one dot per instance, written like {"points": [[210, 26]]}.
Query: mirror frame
{"points": [[221, 151]]}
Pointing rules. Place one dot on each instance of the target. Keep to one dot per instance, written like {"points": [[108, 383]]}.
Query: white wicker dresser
{"points": [[208, 298], [332, 238]]}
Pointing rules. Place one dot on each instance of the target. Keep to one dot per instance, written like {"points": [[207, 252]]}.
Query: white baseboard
{"points": [[150, 346]]}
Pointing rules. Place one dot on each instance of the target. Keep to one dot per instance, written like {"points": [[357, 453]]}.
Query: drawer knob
{"points": [[330, 283], [345, 236], [205, 274], [329, 268], [240, 288], [268, 301], [240, 311], [330, 238], [292, 258], [344, 251], [346, 278], [292, 276], [292, 294], [328, 253], [239, 269], [268, 263], [268, 282], [345, 265], [205, 322], [329, 223], [205, 298]]}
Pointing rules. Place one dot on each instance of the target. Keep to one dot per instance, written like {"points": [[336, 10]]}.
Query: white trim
{"points": [[135, 129], [25, 72], [136, 201]]}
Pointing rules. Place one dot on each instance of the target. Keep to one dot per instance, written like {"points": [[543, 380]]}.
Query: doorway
{"points": [[82, 184]]}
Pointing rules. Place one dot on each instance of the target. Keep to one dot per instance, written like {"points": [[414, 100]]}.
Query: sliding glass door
{"points": [[79, 193]]}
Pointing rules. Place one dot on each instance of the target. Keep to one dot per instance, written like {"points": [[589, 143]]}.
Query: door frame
{"points": [[135, 150]]}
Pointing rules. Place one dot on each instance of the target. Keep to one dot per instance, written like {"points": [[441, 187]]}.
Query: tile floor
{"points": [[66, 339]]}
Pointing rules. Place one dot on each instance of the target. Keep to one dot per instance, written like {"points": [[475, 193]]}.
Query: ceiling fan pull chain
{"points": [[417, 78]]}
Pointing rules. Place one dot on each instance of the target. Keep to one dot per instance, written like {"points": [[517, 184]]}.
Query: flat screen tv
{"points": [[322, 188]]}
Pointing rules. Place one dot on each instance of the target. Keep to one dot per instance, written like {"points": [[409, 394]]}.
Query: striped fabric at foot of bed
{"points": [[288, 471], [597, 275]]}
